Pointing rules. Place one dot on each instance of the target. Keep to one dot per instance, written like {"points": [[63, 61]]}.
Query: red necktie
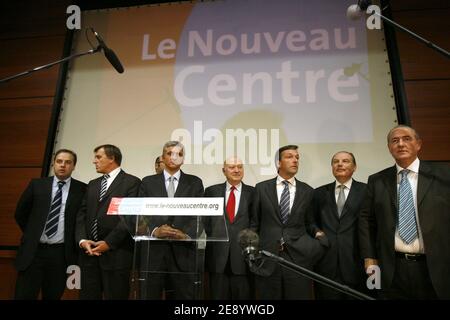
{"points": [[231, 205]]}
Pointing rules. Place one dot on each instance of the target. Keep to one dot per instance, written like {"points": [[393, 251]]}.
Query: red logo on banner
{"points": [[114, 206]]}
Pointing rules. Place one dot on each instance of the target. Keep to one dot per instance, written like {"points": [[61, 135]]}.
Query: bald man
{"points": [[229, 277]]}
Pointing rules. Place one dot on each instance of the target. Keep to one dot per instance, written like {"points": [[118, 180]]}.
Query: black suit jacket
{"points": [[183, 251], [111, 228], [379, 215], [31, 216], [342, 232], [298, 232], [218, 253]]}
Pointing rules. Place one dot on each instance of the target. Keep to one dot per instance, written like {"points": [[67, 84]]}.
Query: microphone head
{"points": [[248, 238], [354, 12]]}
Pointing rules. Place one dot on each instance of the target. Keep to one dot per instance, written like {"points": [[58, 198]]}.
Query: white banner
{"points": [[166, 206]]}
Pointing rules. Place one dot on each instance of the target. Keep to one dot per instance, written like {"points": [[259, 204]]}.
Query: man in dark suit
{"points": [[336, 209], [172, 263], [283, 217], [46, 214], [106, 242], [404, 222], [228, 274]]}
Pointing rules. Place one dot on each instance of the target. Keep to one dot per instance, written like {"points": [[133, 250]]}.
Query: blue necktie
{"points": [[51, 226], [285, 203], [407, 226]]}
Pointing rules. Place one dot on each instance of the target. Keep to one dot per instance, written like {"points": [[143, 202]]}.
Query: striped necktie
{"points": [[103, 189], [407, 226], [285, 203], [51, 226]]}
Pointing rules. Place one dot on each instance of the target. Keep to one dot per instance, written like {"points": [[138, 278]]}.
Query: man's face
{"points": [[63, 165], [173, 158], [343, 166], [159, 166], [404, 146], [288, 165], [103, 164], [233, 170]]}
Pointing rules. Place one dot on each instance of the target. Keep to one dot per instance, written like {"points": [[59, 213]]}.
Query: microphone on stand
{"points": [[109, 54], [356, 11]]}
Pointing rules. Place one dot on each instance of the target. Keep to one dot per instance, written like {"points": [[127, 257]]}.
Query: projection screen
{"points": [[231, 77]]}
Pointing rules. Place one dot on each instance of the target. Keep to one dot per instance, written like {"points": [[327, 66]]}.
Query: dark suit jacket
{"points": [[218, 253], [183, 251], [111, 228], [297, 233], [379, 215], [31, 216], [342, 232]]}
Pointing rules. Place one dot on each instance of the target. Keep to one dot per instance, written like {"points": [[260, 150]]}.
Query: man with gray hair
{"points": [[404, 222], [172, 262], [336, 209], [229, 276]]}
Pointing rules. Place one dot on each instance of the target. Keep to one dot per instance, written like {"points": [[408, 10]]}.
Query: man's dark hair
{"points": [[284, 148], [74, 155], [112, 152]]}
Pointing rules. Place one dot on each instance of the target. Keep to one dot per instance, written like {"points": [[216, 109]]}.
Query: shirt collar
{"points": [[238, 187], [414, 166], [291, 180], [113, 174], [55, 180], [176, 175], [347, 184]]}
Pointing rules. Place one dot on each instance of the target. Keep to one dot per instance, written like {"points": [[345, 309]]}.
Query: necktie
{"points": [[285, 203], [231, 205], [171, 188], [104, 186], [51, 226], [407, 226], [103, 189], [341, 199]]}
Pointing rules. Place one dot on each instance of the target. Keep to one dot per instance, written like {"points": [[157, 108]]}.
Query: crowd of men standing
{"points": [[397, 222]]}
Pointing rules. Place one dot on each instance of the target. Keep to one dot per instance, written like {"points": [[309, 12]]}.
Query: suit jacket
{"points": [[297, 233], [111, 228], [218, 253], [342, 232], [31, 215], [379, 215], [184, 252]]}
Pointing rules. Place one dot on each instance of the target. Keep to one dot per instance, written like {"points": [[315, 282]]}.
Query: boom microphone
{"points": [[109, 54], [249, 242], [356, 11]]}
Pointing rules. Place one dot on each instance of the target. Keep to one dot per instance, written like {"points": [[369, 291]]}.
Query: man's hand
{"points": [[319, 234], [88, 246], [100, 247], [167, 232], [369, 262]]}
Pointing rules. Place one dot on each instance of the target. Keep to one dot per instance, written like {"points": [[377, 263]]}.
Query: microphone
{"points": [[249, 243], [109, 54], [356, 11]]}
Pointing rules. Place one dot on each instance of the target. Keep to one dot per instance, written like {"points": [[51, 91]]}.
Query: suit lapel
{"points": [[331, 198], [424, 182], [242, 202], [117, 181], [390, 181], [271, 192], [182, 185], [353, 194]]}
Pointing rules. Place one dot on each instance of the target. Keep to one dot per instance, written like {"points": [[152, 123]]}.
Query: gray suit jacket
{"points": [[379, 215]]}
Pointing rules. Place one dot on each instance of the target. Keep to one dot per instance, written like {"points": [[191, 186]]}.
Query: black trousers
{"points": [[411, 281], [46, 274], [98, 284], [229, 286]]}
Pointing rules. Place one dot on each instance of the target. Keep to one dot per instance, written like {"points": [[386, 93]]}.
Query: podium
{"points": [[170, 267]]}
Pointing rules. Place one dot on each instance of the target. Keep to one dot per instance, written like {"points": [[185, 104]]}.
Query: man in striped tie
{"points": [[404, 222], [282, 215], [105, 240], [46, 215]]}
